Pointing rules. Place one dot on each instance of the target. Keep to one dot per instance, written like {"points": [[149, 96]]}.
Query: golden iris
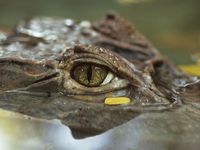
{"points": [[90, 75]]}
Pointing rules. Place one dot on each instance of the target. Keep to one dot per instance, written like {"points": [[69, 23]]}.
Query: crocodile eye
{"points": [[91, 75]]}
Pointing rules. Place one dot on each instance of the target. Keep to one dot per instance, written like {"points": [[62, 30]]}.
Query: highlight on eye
{"points": [[91, 75]]}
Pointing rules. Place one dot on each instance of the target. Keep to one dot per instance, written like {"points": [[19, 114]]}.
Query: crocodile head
{"points": [[57, 68]]}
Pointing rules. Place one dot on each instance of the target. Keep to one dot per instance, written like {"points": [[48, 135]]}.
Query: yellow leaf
{"points": [[191, 69], [117, 100]]}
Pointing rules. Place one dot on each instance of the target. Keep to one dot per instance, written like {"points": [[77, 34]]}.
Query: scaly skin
{"points": [[37, 57]]}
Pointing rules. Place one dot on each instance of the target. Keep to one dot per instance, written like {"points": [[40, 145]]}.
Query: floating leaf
{"points": [[191, 69], [117, 100]]}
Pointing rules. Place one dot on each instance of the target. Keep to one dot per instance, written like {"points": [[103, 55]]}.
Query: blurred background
{"points": [[173, 26]]}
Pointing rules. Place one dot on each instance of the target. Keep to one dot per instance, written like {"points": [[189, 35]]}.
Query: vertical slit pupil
{"points": [[89, 73]]}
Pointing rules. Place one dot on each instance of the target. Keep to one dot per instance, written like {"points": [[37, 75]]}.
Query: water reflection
{"points": [[179, 129]]}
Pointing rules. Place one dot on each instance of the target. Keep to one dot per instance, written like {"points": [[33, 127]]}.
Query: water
{"points": [[172, 25], [171, 130]]}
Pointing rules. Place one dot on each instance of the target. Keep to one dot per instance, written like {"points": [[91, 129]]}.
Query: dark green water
{"points": [[172, 25]]}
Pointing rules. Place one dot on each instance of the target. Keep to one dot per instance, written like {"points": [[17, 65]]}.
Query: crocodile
{"points": [[58, 68]]}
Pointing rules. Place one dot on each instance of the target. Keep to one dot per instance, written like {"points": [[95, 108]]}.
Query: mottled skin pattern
{"points": [[37, 56]]}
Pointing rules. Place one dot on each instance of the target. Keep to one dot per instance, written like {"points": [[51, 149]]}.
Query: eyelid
{"points": [[90, 61], [86, 58], [91, 58]]}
